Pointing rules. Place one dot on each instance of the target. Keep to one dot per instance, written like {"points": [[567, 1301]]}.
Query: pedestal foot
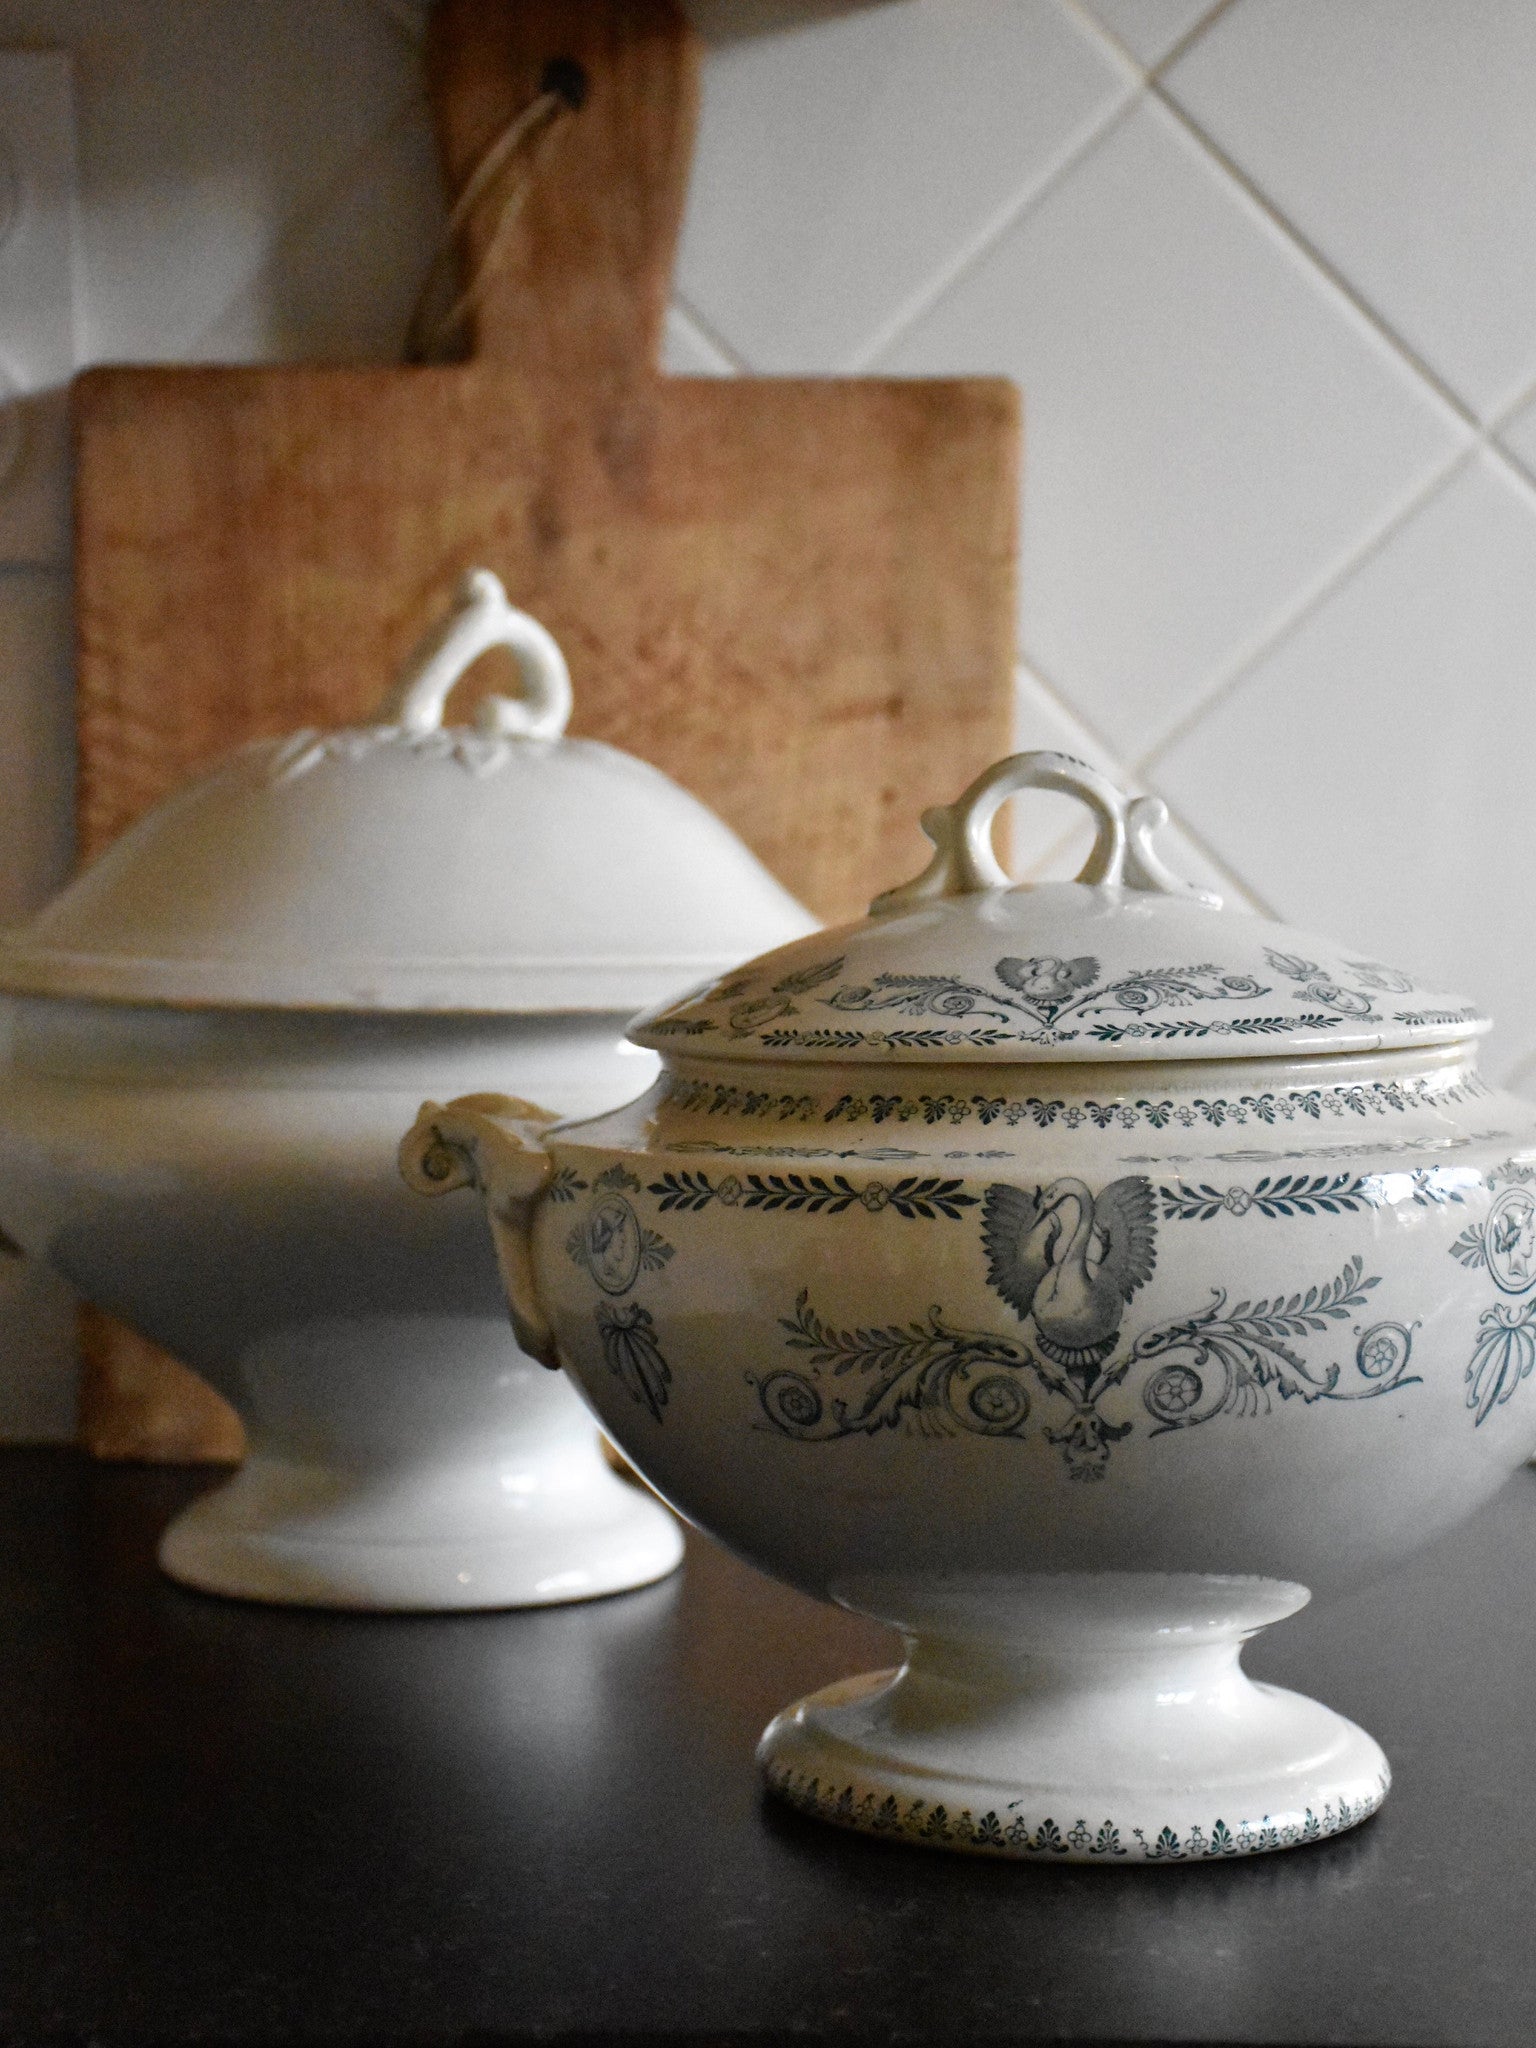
{"points": [[421, 1541], [1115, 1725]]}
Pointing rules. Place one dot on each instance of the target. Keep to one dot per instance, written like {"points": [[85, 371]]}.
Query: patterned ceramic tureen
{"points": [[1074, 1277], [209, 1044]]}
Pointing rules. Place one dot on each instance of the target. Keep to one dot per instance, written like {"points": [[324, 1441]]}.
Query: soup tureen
{"points": [[209, 1044], [1073, 1277]]}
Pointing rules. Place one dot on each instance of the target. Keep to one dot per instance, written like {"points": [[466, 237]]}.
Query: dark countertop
{"points": [[222, 1823]]}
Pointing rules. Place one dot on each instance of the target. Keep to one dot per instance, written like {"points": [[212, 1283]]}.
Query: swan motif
{"points": [[1072, 1260]]}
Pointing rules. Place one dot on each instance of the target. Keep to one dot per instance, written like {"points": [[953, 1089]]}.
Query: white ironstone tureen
{"points": [[209, 1043], [1073, 1277]]}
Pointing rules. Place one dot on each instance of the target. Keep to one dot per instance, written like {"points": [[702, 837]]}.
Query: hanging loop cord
{"points": [[505, 168]]}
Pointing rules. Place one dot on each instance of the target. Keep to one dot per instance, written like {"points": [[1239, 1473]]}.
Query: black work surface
{"points": [[229, 1823]]}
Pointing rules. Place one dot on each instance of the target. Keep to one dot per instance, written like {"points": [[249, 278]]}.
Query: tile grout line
{"points": [[1479, 435], [1512, 408], [1101, 32], [943, 281], [1026, 663], [1225, 867], [1190, 37], [1340, 573], [1308, 250], [1521, 470], [709, 334], [1147, 81], [1152, 86], [1513, 467], [1482, 437], [1054, 695], [1143, 80], [1485, 432], [1310, 601]]}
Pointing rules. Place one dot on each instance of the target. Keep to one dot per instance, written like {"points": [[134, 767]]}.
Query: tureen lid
{"points": [[408, 865], [1126, 963]]}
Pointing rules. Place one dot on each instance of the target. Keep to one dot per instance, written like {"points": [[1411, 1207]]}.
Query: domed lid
{"points": [[405, 865], [1125, 963]]}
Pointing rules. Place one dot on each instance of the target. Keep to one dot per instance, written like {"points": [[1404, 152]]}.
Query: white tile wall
{"points": [[1519, 437], [1150, 29], [1364, 771], [1262, 266], [212, 134], [1172, 498], [1397, 136], [847, 164]]}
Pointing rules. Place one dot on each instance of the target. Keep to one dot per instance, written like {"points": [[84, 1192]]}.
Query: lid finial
{"points": [[481, 619], [964, 863]]}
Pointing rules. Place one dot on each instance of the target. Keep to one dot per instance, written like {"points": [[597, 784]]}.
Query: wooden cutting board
{"points": [[794, 595]]}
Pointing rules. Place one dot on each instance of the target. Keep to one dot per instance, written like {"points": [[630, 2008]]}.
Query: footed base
{"points": [[1107, 1736], [420, 1542]]}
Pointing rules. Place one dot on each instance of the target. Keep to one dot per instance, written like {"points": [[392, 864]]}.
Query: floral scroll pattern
{"points": [[1230, 1361], [1223, 1359], [1503, 1244], [613, 1248], [1067, 1260], [1219, 1361], [632, 1355], [1033, 1001], [1039, 1000]]}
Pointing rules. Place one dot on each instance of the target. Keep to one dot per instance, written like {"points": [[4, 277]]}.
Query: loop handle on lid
{"points": [[482, 618], [965, 865]]}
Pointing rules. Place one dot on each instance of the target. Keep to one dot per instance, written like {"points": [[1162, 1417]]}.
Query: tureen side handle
{"points": [[492, 1143]]}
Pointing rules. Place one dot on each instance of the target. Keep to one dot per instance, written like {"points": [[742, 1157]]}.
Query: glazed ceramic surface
{"points": [[925, 1278], [225, 1183], [210, 1045], [415, 866]]}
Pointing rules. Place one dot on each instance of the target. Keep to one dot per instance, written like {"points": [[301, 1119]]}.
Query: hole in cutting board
{"points": [[567, 78]]}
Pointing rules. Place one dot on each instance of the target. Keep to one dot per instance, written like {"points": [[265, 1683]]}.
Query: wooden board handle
{"points": [[577, 284]]}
